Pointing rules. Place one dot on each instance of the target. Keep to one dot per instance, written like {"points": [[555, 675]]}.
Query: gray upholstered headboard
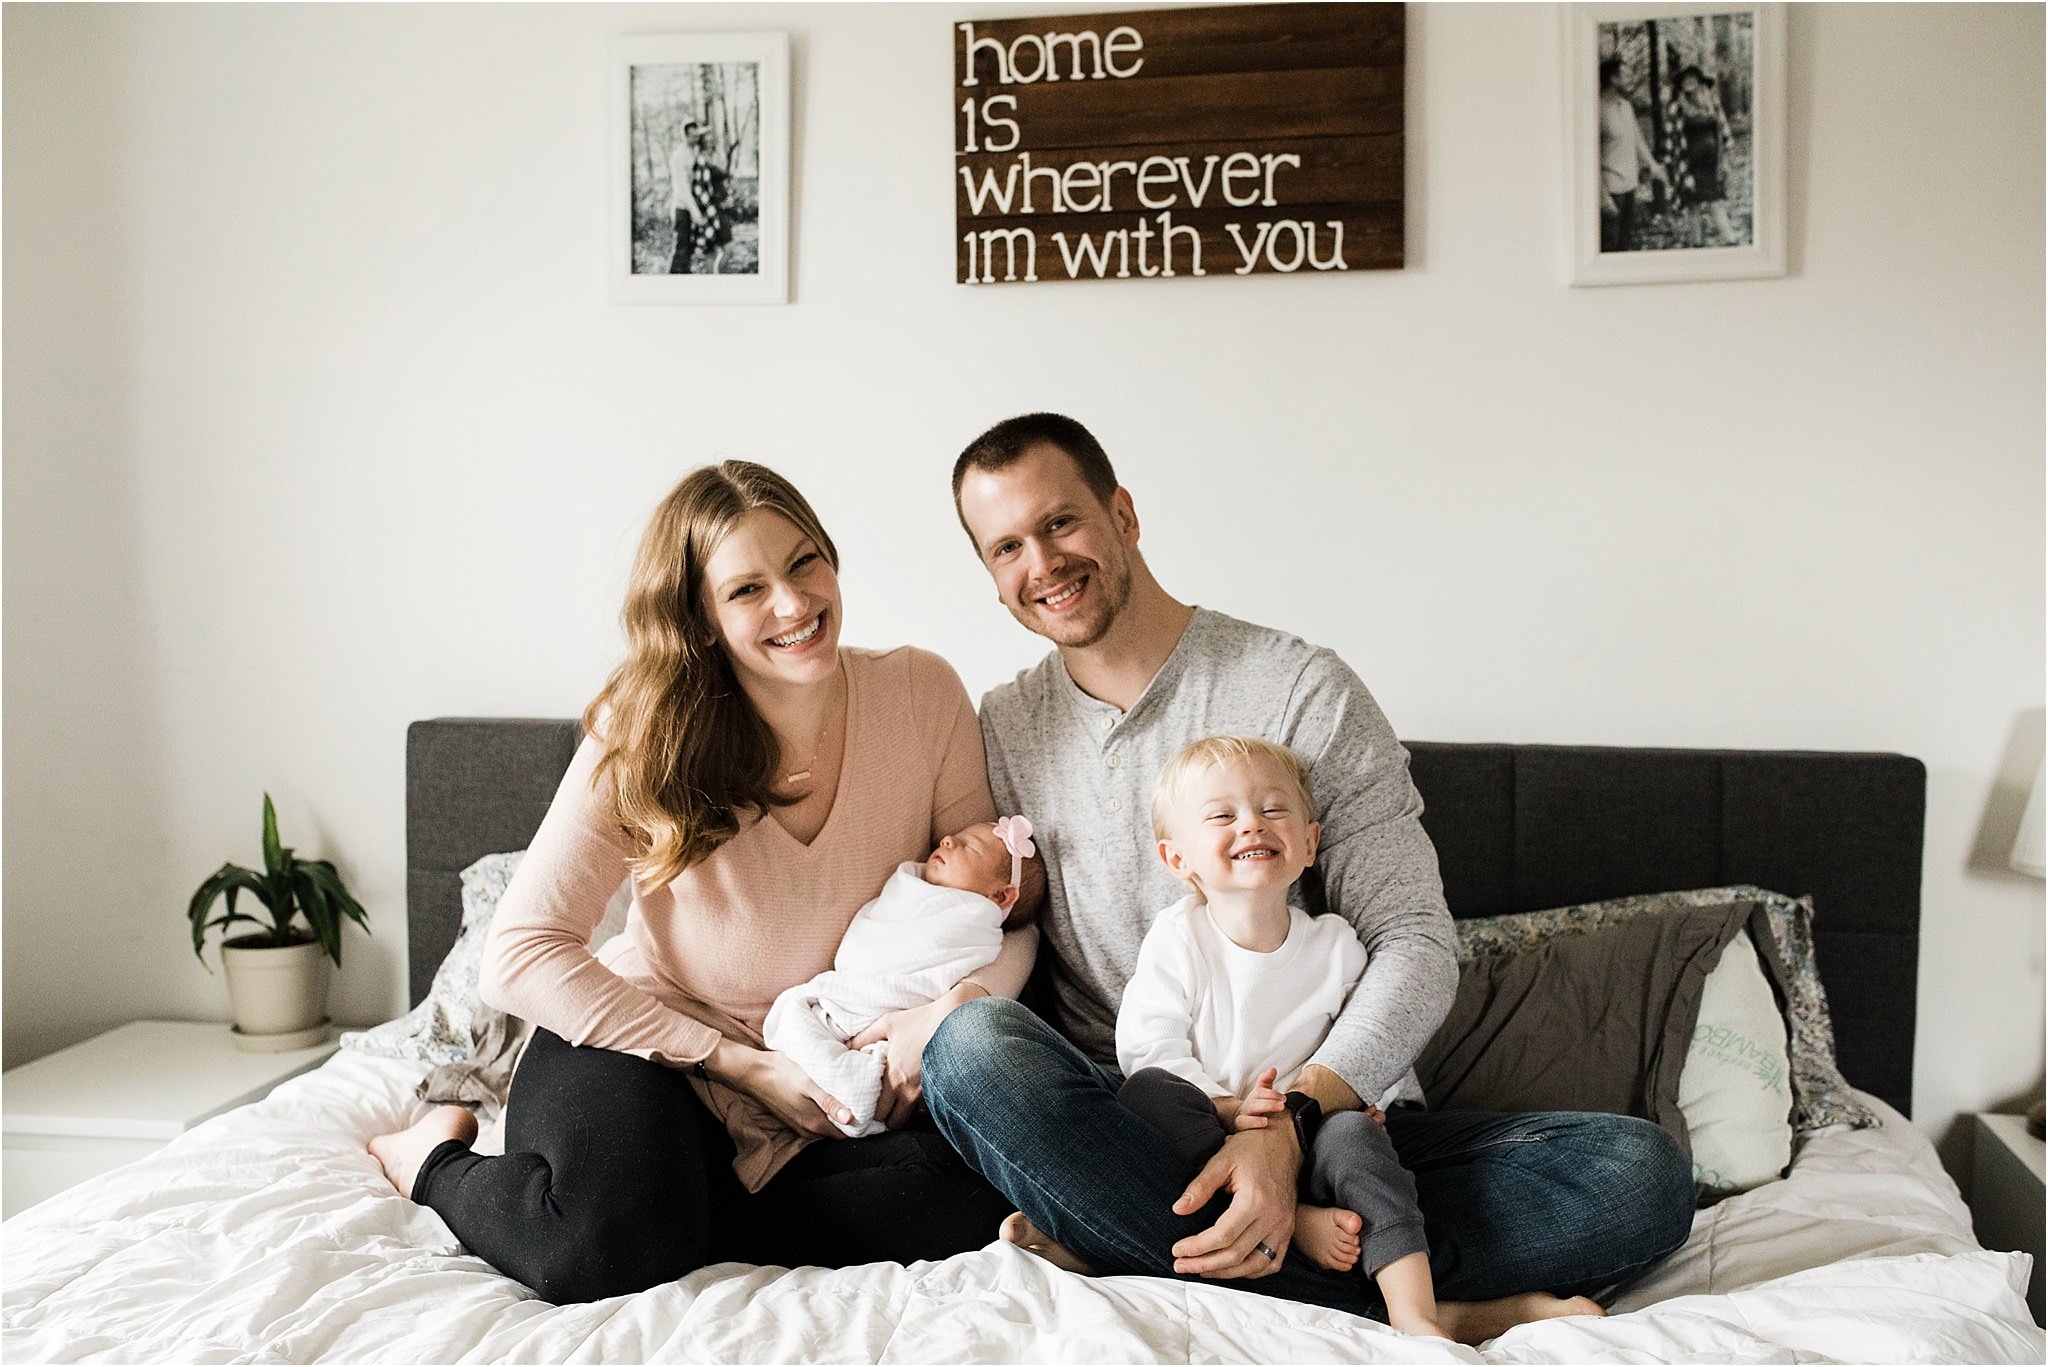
{"points": [[1517, 828]]}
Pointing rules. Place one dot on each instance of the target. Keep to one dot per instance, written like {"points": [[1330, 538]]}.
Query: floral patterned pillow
{"points": [[438, 1030], [1821, 1095]]}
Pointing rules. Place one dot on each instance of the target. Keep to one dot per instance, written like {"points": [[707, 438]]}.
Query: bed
{"points": [[268, 1234]]}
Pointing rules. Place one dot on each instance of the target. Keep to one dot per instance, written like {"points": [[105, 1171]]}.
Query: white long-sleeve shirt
{"points": [[1216, 1014]]}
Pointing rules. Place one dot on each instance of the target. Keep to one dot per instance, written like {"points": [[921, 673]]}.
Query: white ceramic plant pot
{"points": [[278, 996]]}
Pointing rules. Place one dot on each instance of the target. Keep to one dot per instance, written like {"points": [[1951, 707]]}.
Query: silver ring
{"points": [[1270, 1254]]}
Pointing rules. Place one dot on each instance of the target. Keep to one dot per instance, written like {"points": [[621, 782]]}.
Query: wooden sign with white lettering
{"points": [[1223, 141]]}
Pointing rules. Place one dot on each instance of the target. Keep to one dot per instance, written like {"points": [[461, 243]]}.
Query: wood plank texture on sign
{"points": [[1195, 42], [1371, 241], [1361, 170], [1328, 102], [1264, 136]]}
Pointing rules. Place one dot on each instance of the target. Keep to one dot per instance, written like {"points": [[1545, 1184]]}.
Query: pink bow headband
{"points": [[1015, 833]]}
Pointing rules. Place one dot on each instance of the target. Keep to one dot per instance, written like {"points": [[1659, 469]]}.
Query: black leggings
{"points": [[616, 1178]]}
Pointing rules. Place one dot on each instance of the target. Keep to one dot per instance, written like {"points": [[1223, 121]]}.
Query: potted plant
{"points": [[277, 973]]}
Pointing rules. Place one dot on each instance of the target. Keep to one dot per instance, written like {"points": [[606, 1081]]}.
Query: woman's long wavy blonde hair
{"points": [[686, 753]]}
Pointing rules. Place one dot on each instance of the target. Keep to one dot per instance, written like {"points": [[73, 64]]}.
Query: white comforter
{"points": [[268, 1235]]}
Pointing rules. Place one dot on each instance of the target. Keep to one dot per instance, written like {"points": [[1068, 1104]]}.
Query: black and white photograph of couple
{"points": [[1676, 120], [696, 150]]}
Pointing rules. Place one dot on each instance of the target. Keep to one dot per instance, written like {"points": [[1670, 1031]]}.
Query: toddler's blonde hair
{"points": [[1199, 756]]}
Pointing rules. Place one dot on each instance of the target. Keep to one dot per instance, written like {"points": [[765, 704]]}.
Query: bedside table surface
{"points": [[144, 1080], [2011, 1131]]}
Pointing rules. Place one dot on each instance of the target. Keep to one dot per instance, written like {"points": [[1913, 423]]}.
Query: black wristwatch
{"points": [[1307, 1114]]}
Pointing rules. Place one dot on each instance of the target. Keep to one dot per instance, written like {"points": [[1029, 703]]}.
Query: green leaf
{"points": [[221, 921], [231, 879], [330, 879], [320, 915], [273, 850], [335, 900], [282, 899]]}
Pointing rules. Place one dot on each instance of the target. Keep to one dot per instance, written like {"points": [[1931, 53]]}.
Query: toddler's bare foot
{"points": [[1017, 1229], [401, 1153], [1328, 1235], [1475, 1322]]}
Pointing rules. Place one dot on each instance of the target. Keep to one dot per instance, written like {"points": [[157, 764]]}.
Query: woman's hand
{"points": [[775, 1080], [908, 1031]]}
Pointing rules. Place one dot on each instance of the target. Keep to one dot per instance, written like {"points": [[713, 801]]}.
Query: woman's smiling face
{"points": [[774, 599]]}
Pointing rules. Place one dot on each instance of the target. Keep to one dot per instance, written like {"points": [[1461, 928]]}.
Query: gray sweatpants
{"points": [[1352, 1166]]}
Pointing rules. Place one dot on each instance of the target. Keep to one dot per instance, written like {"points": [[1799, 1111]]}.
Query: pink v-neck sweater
{"points": [[706, 955]]}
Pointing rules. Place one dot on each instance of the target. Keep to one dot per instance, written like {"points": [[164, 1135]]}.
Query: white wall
{"points": [[317, 421]]}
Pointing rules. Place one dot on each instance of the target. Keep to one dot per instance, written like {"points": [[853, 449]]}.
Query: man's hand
{"points": [[908, 1031], [1258, 1168], [1330, 1090]]}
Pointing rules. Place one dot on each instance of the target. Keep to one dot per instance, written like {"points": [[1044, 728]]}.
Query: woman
{"points": [[759, 782], [710, 195], [1706, 138], [682, 207]]}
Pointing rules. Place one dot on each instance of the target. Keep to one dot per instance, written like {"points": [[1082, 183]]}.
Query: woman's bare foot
{"points": [[1328, 1235], [1017, 1229], [1475, 1322], [401, 1153]]}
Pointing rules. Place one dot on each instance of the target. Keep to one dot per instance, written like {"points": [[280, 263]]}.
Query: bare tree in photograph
{"points": [[696, 132], [1682, 178]]}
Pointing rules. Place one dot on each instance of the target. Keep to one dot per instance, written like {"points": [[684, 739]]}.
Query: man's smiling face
{"points": [[1060, 556]]}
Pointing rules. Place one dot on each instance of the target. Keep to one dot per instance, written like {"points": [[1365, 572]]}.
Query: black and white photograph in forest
{"points": [[697, 168], [1677, 147], [1676, 117], [701, 184]]}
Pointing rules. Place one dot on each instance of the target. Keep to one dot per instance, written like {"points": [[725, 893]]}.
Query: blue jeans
{"points": [[1561, 1201]]}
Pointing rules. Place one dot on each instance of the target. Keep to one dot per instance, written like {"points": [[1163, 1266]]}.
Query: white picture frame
{"points": [[719, 101], [1700, 228]]}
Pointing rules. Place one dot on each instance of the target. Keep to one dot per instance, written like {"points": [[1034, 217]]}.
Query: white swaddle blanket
{"points": [[913, 943]]}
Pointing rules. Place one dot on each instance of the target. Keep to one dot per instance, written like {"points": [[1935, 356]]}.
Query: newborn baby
{"points": [[933, 924]]}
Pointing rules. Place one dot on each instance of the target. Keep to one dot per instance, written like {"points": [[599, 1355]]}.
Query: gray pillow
{"points": [[442, 1027], [450, 1023], [1821, 1096], [1583, 1022]]}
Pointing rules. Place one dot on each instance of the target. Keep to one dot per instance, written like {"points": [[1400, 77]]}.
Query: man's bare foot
{"points": [[1328, 1235], [1419, 1325], [401, 1153], [1474, 1322], [1017, 1229]]}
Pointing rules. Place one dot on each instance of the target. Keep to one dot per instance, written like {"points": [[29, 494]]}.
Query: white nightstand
{"points": [[2007, 1201], [88, 1109]]}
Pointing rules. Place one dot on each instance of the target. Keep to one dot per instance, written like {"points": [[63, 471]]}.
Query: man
{"points": [[1514, 1204], [1624, 157]]}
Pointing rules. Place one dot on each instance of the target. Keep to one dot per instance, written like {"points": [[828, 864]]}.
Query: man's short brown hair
{"points": [[1005, 444]]}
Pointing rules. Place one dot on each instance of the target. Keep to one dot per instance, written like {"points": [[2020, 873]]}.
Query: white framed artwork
{"points": [[700, 169], [1674, 142]]}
